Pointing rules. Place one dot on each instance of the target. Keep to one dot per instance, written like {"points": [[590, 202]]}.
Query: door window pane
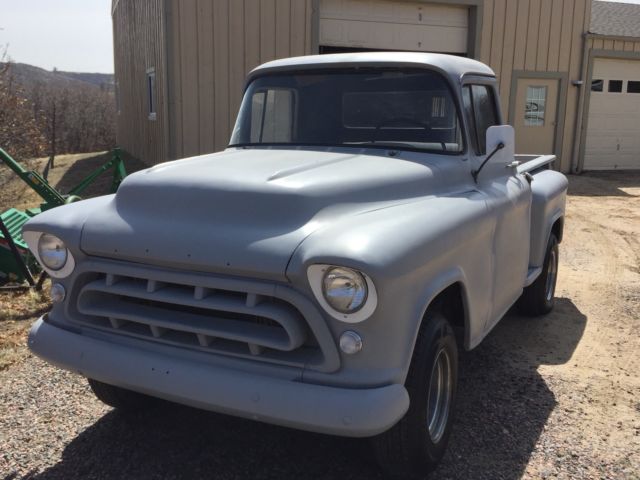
{"points": [[468, 112], [615, 86], [486, 115], [535, 106], [597, 85], [633, 86]]}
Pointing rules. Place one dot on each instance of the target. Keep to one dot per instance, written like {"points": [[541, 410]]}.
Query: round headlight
{"points": [[344, 289], [52, 252]]}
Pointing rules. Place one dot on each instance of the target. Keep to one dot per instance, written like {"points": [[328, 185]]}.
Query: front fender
{"points": [[412, 252]]}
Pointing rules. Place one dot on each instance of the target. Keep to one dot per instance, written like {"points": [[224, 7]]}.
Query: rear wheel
{"points": [[415, 445], [539, 297], [120, 398]]}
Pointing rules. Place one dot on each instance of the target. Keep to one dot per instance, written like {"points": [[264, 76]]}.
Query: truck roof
{"points": [[453, 66]]}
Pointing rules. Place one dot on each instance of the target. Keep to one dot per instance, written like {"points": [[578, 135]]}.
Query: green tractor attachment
{"points": [[16, 261]]}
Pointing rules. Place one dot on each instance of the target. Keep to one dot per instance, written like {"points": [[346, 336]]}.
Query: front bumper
{"points": [[337, 411]]}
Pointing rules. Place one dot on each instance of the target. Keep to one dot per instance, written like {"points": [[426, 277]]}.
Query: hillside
{"points": [[28, 76]]}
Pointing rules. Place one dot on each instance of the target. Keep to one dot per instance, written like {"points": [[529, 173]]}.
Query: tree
{"points": [[20, 133]]}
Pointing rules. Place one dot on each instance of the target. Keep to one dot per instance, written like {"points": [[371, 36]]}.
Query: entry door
{"points": [[536, 115]]}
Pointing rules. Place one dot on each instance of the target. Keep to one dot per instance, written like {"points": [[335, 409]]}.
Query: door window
{"points": [[482, 113], [535, 106]]}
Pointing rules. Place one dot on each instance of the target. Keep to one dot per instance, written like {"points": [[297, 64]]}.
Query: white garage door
{"points": [[393, 25], [613, 133]]}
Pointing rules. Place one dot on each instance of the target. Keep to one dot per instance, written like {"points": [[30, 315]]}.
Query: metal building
{"points": [[180, 65]]}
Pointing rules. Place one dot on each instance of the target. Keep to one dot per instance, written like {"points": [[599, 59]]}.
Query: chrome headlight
{"points": [[52, 251], [344, 293], [344, 289]]}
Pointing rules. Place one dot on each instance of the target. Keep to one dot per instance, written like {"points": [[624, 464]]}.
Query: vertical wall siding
{"points": [[539, 36], [212, 45], [138, 32]]}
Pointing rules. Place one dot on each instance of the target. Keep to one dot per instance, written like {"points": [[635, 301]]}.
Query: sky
{"points": [[71, 35]]}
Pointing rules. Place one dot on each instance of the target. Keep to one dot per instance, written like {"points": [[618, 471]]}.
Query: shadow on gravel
{"points": [[502, 409], [604, 183]]}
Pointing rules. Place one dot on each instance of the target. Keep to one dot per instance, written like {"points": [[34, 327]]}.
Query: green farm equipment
{"points": [[16, 261]]}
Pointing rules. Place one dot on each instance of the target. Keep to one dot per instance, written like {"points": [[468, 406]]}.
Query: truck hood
{"points": [[244, 211]]}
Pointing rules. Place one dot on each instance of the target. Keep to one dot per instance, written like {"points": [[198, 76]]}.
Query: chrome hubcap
{"points": [[552, 273], [439, 401]]}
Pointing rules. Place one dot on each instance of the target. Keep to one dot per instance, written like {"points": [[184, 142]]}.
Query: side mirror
{"points": [[505, 135], [500, 148]]}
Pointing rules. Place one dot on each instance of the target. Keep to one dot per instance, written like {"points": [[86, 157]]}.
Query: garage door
{"points": [[393, 25], [613, 133]]}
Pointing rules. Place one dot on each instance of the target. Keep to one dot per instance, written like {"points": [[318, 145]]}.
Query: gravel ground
{"points": [[553, 397]]}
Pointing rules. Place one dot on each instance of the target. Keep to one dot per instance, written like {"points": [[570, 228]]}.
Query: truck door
{"points": [[508, 197]]}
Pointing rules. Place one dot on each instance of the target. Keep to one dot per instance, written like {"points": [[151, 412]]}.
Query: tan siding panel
{"points": [[485, 37], [555, 30], [283, 28], [267, 30], [237, 62], [521, 39], [508, 56], [543, 35], [190, 91], [206, 103], [532, 35], [298, 27], [497, 35], [221, 49], [565, 36], [251, 34]]}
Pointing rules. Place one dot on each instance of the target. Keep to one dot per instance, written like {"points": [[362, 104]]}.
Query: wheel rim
{"points": [[439, 401], [552, 273]]}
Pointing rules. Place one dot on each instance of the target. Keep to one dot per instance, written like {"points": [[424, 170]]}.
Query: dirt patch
{"points": [[553, 397], [68, 171]]}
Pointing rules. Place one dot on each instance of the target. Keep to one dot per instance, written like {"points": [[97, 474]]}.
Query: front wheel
{"points": [[539, 297], [416, 444]]}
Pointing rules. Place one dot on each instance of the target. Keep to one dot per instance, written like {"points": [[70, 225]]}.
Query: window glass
{"points": [[597, 85], [373, 107], [485, 113], [468, 112], [615, 86], [535, 106], [633, 86], [272, 116], [151, 93]]}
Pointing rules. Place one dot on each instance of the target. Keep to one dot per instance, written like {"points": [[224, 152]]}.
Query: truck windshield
{"points": [[399, 109]]}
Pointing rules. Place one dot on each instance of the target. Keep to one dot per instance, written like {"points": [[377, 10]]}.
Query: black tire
{"points": [[409, 450], [539, 297], [120, 398]]}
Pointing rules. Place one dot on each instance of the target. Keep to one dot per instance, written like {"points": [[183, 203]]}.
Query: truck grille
{"points": [[234, 317]]}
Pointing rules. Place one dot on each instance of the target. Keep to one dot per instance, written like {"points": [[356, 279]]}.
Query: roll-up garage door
{"points": [[613, 133], [393, 25]]}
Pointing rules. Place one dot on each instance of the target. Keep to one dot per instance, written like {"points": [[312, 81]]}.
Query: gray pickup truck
{"points": [[368, 220]]}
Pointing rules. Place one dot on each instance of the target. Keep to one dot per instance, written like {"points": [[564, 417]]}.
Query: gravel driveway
{"points": [[553, 397]]}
